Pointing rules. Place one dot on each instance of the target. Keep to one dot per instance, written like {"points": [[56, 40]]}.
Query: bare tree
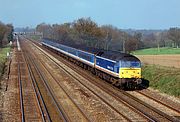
{"points": [[130, 44], [114, 38], [174, 35], [45, 29], [2, 33], [88, 31], [5, 33]]}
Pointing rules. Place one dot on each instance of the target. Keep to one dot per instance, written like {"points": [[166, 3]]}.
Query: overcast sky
{"points": [[136, 14]]}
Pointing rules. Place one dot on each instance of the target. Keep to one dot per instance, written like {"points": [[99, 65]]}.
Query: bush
{"points": [[3, 58]]}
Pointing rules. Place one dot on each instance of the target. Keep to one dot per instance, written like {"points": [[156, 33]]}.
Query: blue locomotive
{"points": [[119, 68]]}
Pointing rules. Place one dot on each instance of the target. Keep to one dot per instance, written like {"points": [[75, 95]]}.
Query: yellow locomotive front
{"points": [[131, 71]]}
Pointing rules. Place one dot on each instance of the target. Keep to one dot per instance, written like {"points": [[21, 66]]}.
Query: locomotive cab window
{"points": [[132, 64]]}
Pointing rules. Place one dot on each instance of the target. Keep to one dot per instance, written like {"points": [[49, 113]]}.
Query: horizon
{"points": [[117, 28]]}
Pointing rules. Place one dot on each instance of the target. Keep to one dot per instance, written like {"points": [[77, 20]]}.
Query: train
{"points": [[120, 69]]}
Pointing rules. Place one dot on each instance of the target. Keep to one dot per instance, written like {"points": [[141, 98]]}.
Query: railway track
{"points": [[97, 95], [63, 116], [173, 106], [145, 110], [25, 105], [56, 80], [41, 104], [156, 116], [143, 113], [136, 100], [21, 94], [52, 111], [61, 112], [87, 88]]}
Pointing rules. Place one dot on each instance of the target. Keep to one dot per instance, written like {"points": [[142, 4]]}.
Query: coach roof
{"points": [[112, 55]]}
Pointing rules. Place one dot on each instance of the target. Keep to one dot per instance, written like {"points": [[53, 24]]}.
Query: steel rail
{"points": [[88, 88], [158, 101], [21, 94], [64, 90], [38, 93], [59, 108], [149, 117]]}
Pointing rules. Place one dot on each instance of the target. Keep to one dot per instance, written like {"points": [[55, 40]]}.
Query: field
{"points": [[161, 69], [155, 51], [3, 56], [163, 60], [163, 78]]}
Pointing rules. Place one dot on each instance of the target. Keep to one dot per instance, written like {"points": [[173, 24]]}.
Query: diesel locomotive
{"points": [[120, 69]]}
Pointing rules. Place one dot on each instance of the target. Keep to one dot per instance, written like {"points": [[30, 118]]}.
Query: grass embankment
{"points": [[164, 79], [155, 51], [35, 37], [3, 58]]}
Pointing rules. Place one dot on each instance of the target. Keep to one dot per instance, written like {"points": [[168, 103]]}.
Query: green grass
{"points": [[164, 79], [3, 58], [155, 51], [35, 37]]}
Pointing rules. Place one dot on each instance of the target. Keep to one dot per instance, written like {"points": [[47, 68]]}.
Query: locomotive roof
{"points": [[117, 56], [113, 55]]}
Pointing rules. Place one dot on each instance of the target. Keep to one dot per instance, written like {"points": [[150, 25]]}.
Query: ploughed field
{"points": [[70, 93], [163, 60]]}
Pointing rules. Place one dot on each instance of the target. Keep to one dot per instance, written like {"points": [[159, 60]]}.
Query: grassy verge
{"points": [[155, 51], [35, 37], [3, 58], [164, 79]]}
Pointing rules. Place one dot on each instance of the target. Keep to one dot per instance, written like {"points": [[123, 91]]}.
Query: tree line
{"points": [[6, 34], [84, 31]]}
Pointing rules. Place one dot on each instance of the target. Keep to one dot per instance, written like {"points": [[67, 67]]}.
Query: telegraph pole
{"points": [[124, 49]]}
